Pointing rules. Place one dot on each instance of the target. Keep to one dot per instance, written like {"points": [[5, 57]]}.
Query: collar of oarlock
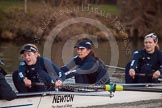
{"points": [[112, 87]]}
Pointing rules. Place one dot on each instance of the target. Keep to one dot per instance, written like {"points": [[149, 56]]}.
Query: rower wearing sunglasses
{"points": [[146, 64], [34, 68]]}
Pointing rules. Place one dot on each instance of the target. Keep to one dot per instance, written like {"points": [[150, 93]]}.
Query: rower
{"points": [[90, 69], [34, 68], [6, 91], [146, 64]]}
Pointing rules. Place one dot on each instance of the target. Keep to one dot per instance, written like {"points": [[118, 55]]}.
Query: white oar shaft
{"points": [[115, 67], [62, 93]]}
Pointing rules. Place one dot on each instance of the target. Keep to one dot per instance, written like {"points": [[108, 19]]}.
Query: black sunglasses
{"points": [[153, 36]]}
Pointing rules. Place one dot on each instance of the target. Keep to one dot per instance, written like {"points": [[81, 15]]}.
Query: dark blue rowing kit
{"points": [[44, 71], [145, 63], [89, 70], [6, 91]]}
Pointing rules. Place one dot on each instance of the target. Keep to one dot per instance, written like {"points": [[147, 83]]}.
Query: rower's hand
{"points": [[132, 73], [156, 74], [58, 84], [27, 82]]}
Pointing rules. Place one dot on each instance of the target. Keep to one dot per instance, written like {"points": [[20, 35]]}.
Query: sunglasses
{"points": [[153, 36]]}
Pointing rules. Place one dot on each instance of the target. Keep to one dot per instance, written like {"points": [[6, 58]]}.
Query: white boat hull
{"points": [[56, 100]]}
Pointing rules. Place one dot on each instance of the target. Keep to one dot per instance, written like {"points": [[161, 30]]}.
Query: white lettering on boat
{"points": [[63, 98]]}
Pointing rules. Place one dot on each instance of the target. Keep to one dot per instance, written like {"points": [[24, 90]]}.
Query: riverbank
{"points": [[39, 19]]}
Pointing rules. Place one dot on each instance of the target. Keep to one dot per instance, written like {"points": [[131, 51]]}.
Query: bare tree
{"points": [[141, 16]]}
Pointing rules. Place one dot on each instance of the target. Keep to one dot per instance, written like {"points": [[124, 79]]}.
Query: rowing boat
{"points": [[54, 99], [60, 99], [69, 100]]}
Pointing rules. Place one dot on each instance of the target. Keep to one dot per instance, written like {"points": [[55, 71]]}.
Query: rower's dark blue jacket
{"points": [[88, 71], [143, 62], [147, 63], [6, 91], [44, 71], [42, 64]]}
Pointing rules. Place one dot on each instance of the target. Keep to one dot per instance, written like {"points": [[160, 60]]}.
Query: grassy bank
{"points": [[111, 9], [6, 4]]}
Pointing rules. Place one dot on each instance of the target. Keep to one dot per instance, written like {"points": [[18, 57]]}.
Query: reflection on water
{"points": [[62, 52]]}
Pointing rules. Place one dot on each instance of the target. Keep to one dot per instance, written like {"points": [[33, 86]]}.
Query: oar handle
{"points": [[40, 84], [143, 74]]}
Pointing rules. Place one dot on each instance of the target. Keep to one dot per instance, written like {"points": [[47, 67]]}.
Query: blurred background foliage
{"points": [[30, 19]]}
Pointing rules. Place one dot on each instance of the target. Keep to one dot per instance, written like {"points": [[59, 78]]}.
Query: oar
{"points": [[106, 87], [141, 84], [144, 74], [142, 89], [115, 67], [22, 95], [118, 87], [114, 87]]}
